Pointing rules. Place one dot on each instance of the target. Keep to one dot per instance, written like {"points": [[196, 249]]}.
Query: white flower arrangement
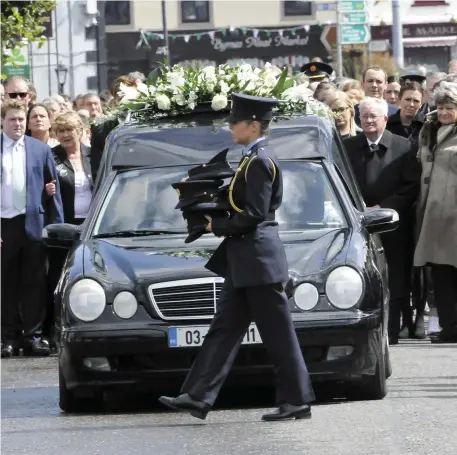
{"points": [[182, 90]]}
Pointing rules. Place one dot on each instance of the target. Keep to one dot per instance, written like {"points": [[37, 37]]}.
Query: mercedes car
{"points": [[135, 301]]}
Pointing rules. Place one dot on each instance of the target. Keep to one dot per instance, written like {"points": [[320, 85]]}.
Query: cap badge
{"points": [[312, 68]]}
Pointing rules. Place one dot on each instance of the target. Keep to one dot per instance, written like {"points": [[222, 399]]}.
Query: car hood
{"points": [[153, 259]]}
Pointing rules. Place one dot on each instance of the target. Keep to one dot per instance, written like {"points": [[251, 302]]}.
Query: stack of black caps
{"points": [[203, 193]]}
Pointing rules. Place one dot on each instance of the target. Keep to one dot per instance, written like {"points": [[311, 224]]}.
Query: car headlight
{"points": [[125, 305], [344, 287], [306, 296], [87, 300]]}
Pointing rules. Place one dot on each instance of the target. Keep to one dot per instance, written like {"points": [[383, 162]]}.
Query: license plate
{"points": [[191, 336]]}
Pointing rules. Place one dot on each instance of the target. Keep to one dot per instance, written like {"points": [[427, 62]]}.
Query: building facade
{"points": [[72, 43], [214, 32]]}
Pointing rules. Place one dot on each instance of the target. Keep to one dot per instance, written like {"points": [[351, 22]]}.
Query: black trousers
{"points": [[23, 282], [399, 262], [445, 284], [267, 306]]}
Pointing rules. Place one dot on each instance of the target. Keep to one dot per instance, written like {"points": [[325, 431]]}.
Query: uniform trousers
{"points": [[236, 308], [23, 277]]}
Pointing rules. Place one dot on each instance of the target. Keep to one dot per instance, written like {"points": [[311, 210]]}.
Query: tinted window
{"points": [[144, 199]]}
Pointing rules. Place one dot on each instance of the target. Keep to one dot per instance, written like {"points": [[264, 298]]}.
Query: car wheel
{"points": [[387, 362], [373, 387], [69, 402]]}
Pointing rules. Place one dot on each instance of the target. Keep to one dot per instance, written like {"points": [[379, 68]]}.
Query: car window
{"points": [[144, 199]]}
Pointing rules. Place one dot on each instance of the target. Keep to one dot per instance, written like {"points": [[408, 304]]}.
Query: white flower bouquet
{"points": [[169, 92]]}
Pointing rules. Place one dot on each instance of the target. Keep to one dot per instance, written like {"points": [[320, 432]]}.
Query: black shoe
{"points": [[289, 411], [443, 337], [405, 333], [8, 350], [393, 340], [184, 403], [36, 348], [419, 331]]}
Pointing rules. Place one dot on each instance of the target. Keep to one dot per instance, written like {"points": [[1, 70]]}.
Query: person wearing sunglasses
{"points": [[18, 88]]}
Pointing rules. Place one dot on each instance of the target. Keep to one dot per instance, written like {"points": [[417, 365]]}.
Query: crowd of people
{"points": [[50, 153], [401, 137]]}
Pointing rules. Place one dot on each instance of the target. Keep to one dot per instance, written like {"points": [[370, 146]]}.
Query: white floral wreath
{"points": [[181, 90]]}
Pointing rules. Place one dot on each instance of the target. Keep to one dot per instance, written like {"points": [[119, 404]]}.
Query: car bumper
{"points": [[337, 350]]}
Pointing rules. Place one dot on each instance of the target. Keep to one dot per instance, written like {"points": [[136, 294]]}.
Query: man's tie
{"points": [[374, 148], [18, 179]]}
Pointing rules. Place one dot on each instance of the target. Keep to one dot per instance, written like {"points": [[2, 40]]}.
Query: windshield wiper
{"points": [[135, 233]]}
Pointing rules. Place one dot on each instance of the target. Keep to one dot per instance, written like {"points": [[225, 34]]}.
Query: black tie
{"points": [[374, 148]]}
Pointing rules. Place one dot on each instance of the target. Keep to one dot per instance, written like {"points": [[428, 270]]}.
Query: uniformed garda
{"points": [[253, 262]]}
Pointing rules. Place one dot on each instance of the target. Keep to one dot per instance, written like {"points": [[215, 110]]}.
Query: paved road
{"points": [[418, 417]]}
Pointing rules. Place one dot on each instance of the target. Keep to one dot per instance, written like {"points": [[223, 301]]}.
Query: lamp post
{"points": [[61, 73]]}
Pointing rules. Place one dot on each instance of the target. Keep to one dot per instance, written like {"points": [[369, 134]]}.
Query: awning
{"points": [[434, 41]]}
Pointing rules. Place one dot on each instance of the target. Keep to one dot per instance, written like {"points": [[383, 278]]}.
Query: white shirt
{"points": [[7, 207], [83, 195], [52, 142], [376, 142]]}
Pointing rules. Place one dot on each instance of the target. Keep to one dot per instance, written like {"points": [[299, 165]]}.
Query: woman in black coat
{"points": [[73, 166], [400, 123]]}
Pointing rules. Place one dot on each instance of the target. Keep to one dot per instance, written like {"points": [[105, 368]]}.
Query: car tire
{"points": [[387, 362], [373, 387], [69, 402]]}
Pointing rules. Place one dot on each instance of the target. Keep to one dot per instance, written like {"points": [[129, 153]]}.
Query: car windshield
{"points": [[143, 200]]}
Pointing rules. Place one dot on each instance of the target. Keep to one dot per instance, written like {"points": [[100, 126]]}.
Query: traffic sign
{"points": [[354, 6], [18, 62], [355, 33], [354, 18]]}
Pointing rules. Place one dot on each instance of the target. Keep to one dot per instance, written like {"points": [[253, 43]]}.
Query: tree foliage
{"points": [[23, 22]]}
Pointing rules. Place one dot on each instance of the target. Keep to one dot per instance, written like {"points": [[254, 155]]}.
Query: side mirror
{"points": [[61, 235], [377, 221]]}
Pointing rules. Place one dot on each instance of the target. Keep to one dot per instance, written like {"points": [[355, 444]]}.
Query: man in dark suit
{"points": [[374, 84], [253, 262], [27, 165], [388, 175]]}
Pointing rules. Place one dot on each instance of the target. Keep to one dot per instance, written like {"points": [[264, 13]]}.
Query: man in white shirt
{"points": [[388, 175], [26, 166]]}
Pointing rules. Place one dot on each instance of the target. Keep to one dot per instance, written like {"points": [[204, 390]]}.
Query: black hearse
{"points": [[136, 301]]}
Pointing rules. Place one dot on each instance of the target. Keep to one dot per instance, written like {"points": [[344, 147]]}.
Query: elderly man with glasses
{"points": [[388, 176]]}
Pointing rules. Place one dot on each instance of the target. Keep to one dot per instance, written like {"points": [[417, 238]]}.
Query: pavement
{"points": [[419, 417]]}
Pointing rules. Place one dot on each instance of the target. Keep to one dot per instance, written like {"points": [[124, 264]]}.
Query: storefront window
{"points": [[298, 8], [117, 12], [194, 11]]}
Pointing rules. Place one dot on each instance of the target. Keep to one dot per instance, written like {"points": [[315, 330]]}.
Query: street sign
{"points": [[354, 18], [19, 58], [355, 34], [354, 6]]}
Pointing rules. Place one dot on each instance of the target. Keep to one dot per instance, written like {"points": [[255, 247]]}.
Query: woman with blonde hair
{"points": [[72, 160], [343, 110]]}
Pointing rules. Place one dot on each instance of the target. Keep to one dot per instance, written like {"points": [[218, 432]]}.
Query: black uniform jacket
{"points": [[252, 253], [66, 175], [391, 179]]}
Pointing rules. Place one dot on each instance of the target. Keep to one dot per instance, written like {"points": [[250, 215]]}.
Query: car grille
{"points": [[186, 299]]}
